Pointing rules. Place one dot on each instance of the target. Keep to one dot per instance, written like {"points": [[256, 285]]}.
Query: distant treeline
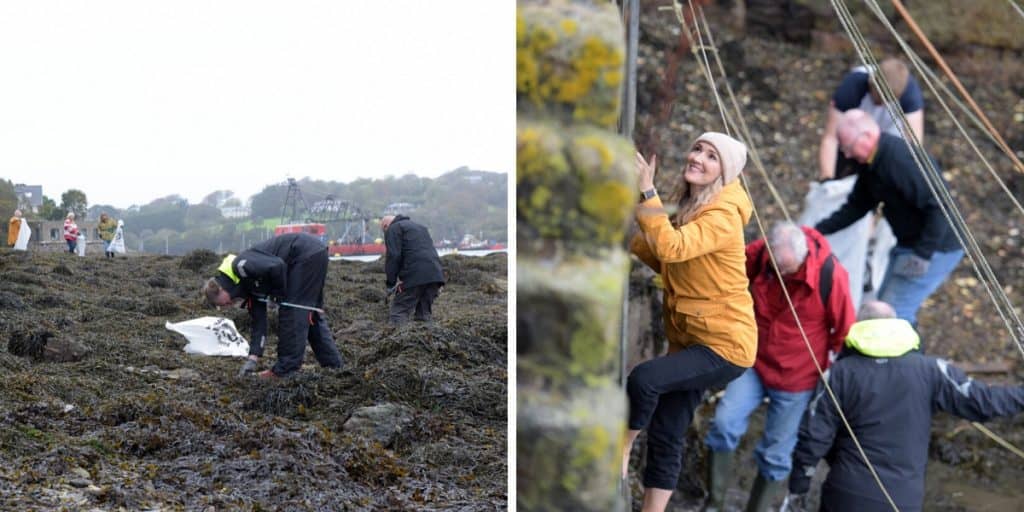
{"points": [[459, 202]]}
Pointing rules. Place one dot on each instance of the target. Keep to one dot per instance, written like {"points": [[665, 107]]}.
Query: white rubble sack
{"points": [[117, 244], [850, 245], [24, 234], [211, 336]]}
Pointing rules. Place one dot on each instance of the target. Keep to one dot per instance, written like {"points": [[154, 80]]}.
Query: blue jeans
{"points": [[905, 294], [774, 453]]}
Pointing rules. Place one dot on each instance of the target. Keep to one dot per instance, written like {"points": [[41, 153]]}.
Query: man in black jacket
{"points": [[290, 269], [888, 392], [413, 269], [926, 249]]}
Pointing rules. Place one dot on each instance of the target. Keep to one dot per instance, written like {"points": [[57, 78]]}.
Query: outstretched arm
{"points": [[829, 146], [962, 396]]}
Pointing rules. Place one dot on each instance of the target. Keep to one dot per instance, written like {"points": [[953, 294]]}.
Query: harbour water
{"points": [[442, 252]]}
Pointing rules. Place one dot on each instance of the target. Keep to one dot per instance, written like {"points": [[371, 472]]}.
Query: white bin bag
{"points": [[850, 245], [117, 244], [211, 336], [24, 233]]}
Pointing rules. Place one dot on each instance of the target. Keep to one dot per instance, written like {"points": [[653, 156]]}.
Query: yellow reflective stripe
{"points": [[225, 268], [883, 337]]}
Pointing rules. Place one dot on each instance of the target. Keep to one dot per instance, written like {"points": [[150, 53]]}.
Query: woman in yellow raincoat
{"points": [[708, 313]]}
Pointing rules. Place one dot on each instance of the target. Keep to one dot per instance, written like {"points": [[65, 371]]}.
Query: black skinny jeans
{"points": [[663, 393]]}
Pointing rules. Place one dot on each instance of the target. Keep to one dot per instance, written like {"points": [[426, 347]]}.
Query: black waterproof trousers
{"points": [[663, 394], [306, 280]]}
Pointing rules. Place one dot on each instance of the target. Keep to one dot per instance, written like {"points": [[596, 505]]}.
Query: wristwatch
{"points": [[647, 194]]}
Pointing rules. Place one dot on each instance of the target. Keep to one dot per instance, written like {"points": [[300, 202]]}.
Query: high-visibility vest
{"points": [[225, 268]]}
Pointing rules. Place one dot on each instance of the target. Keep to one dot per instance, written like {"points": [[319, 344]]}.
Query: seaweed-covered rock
{"points": [[371, 294], [158, 282], [197, 259], [46, 346], [63, 270], [55, 300], [380, 423], [10, 300], [161, 306]]}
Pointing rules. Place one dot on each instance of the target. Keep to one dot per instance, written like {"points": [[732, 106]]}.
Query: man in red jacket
{"points": [[784, 372]]}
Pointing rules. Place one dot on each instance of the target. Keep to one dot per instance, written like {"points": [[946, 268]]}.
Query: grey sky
{"points": [[134, 100]]}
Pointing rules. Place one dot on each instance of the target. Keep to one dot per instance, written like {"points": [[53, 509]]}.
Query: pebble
{"points": [[79, 482]]}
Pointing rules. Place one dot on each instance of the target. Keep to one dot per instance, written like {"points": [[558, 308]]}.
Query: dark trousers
{"points": [[72, 244], [306, 280], [836, 500], [663, 394], [415, 301], [295, 326]]}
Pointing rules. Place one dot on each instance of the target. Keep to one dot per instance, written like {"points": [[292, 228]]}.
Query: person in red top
{"points": [[71, 232], [819, 289]]}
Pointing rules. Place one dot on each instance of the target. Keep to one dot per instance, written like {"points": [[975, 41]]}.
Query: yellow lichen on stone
{"points": [[567, 69], [572, 184], [592, 60], [609, 202], [568, 26]]}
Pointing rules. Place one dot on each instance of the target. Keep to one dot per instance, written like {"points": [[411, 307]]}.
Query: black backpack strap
{"points": [[757, 268], [825, 278]]}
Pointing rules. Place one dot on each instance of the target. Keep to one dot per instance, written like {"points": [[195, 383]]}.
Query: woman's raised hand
{"points": [[645, 171]]}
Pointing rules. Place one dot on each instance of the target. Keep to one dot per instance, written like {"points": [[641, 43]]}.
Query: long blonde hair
{"points": [[688, 204]]}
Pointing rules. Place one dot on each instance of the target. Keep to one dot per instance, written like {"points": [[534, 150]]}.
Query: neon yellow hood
{"points": [[883, 337]]}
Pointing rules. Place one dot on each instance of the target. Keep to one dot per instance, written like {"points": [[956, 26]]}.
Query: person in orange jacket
{"points": [[699, 252], [13, 228]]}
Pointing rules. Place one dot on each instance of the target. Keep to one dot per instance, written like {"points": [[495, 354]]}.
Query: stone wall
{"points": [[575, 189], [48, 236]]}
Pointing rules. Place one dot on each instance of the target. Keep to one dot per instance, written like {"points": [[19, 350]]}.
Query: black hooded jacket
{"points": [[411, 257], [264, 270], [889, 403]]}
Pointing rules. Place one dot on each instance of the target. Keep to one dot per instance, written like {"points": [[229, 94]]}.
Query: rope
{"points": [[934, 181], [956, 82], [754, 155], [727, 118], [1017, 8], [1002, 442], [931, 80], [924, 163], [789, 301], [928, 78]]}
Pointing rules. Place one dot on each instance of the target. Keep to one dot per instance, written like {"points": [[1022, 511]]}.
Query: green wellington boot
{"points": [[764, 494], [719, 473]]}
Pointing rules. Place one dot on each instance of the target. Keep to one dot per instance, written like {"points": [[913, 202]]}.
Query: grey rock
{"points": [[381, 423], [79, 482]]}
